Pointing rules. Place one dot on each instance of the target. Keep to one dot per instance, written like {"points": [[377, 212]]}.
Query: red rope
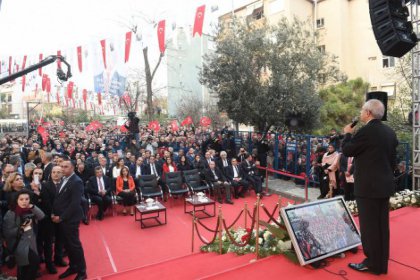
{"points": [[214, 237], [236, 220], [271, 216], [207, 228], [250, 234]]}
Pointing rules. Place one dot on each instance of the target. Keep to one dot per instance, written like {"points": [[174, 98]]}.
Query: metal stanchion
{"points": [[220, 230], [193, 228], [266, 192], [246, 214], [257, 225], [306, 188]]}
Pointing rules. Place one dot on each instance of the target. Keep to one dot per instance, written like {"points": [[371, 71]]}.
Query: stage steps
{"points": [[194, 266]]}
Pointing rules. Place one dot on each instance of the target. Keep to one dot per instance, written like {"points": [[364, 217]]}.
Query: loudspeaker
{"points": [[381, 96], [393, 32]]}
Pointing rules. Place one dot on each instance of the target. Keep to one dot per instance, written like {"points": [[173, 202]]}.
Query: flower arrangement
{"points": [[398, 200], [272, 240]]}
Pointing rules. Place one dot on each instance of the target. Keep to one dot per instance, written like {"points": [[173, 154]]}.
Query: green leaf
{"points": [[277, 232]]}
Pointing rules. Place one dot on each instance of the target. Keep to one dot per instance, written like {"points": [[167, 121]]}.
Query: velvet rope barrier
{"points": [[248, 238], [214, 237], [271, 216], [206, 227], [236, 220]]}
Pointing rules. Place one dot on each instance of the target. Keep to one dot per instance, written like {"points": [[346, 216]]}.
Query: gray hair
{"points": [[223, 153], [375, 107], [30, 165]]}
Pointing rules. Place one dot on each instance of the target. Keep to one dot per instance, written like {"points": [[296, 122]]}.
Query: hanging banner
{"points": [[70, 90], [79, 58], [40, 69], [103, 47], [199, 20], [127, 46], [161, 35]]}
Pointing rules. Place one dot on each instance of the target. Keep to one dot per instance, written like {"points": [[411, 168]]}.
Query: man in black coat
{"points": [[251, 173], [215, 177], [46, 159], [236, 177], [374, 150], [67, 213], [99, 189]]}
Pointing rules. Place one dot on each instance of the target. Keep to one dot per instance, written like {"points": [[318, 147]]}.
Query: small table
{"points": [[144, 210], [200, 203]]}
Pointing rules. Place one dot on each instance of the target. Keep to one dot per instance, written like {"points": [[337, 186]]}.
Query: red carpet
{"points": [[117, 248]]}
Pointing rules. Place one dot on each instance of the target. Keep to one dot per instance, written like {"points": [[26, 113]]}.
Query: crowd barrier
{"points": [[221, 225]]}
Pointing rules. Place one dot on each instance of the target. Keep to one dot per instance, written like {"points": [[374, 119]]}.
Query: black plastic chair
{"points": [[149, 187], [173, 181], [194, 182]]}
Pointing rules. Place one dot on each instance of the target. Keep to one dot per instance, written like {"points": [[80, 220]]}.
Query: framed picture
{"points": [[320, 229]]}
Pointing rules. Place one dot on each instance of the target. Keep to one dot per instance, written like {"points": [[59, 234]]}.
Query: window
{"points": [[321, 48], [320, 23], [258, 13], [388, 61]]}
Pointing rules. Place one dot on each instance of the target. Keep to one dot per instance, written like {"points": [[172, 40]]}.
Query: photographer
{"points": [[133, 127], [19, 234]]}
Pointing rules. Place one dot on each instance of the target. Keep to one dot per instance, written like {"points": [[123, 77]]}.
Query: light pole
{"points": [[29, 110]]}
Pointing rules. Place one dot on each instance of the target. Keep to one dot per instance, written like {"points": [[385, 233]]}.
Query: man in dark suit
{"points": [[250, 170], [236, 177], [139, 168], [99, 190], [46, 159], [67, 213], [374, 150], [223, 161], [215, 177]]}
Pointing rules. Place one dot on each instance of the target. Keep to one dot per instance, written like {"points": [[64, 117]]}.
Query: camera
{"points": [[26, 218]]}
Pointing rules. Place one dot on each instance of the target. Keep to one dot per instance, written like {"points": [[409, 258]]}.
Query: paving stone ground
{"points": [[289, 189]]}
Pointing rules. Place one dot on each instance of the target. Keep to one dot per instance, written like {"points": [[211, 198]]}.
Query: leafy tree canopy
{"points": [[264, 73]]}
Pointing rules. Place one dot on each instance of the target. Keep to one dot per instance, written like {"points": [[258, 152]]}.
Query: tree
{"points": [[263, 73], [341, 102]]}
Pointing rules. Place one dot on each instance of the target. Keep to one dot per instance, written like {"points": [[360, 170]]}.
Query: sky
{"points": [[33, 26]]}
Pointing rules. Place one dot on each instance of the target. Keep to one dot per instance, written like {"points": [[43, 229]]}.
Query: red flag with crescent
{"points": [[40, 59], [154, 125], [103, 47], [79, 58], [44, 82], [70, 90], [174, 125], [48, 85], [161, 35], [127, 46], [187, 121], [123, 129], [205, 121], [199, 20]]}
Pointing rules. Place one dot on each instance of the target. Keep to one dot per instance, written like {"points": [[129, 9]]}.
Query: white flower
{"points": [[273, 249], [398, 205], [224, 238], [413, 200], [407, 199], [266, 235], [351, 207], [252, 249], [260, 240], [284, 245]]}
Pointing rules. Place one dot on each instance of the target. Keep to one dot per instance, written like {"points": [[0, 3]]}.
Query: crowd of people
{"points": [[109, 162]]}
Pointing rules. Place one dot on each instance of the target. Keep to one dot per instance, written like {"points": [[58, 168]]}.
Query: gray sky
{"points": [[34, 26]]}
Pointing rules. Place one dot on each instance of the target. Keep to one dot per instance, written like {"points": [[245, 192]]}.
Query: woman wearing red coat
{"points": [[168, 166], [126, 189]]}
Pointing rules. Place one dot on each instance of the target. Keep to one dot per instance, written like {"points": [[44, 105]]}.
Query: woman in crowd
{"points": [[19, 234], [13, 185], [116, 170], [168, 166], [330, 162], [183, 164], [126, 190]]}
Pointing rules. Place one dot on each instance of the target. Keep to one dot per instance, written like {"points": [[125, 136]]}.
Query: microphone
{"points": [[354, 122]]}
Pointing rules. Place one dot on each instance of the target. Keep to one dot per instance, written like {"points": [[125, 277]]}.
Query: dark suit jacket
{"points": [[93, 187], [145, 170], [210, 176], [219, 163], [46, 175], [67, 203], [374, 150], [230, 174], [249, 169], [48, 193], [158, 169]]}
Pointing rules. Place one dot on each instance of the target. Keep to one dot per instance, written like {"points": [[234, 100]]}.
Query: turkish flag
{"points": [[154, 125], [10, 65], [70, 90], [103, 46], [174, 125], [48, 85], [123, 129], [187, 121], [99, 98], [58, 60], [161, 35], [79, 58], [127, 99], [44, 82], [23, 82], [127, 46], [199, 20], [40, 59], [44, 134], [24, 62], [205, 121], [61, 123]]}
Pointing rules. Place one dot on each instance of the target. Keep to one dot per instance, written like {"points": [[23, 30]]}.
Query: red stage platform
{"points": [[116, 248]]}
